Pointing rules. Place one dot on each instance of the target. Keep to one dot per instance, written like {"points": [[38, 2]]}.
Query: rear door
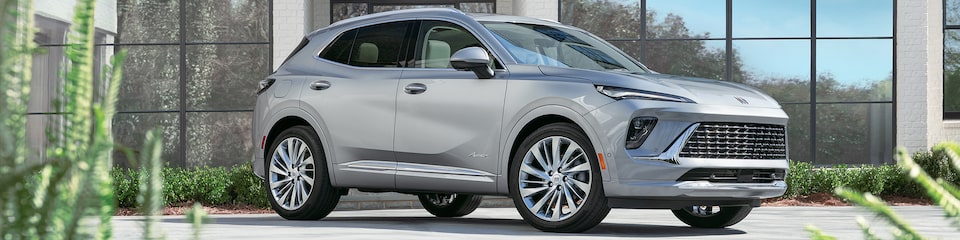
{"points": [[448, 121], [354, 94]]}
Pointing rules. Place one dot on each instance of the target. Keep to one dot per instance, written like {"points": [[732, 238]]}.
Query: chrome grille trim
{"points": [[736, 141]]}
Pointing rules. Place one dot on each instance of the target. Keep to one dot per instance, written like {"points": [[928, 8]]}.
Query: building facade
{"points": [[857, 77]]}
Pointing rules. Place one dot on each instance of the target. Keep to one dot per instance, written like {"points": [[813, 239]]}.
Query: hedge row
{"points": [[238, 185], [207, 185], [805, 179]]}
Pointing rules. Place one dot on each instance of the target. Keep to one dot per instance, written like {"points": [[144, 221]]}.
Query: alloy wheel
{"points": [[555, 178], [291, 175]]}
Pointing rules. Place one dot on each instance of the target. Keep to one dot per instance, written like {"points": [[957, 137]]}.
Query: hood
{"points": [[702, 91]]}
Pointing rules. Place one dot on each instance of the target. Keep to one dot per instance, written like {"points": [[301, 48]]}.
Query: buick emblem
{"points": [[741, 100]]}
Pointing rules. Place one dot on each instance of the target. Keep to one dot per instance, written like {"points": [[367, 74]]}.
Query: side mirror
{"points": [[472, 59]]}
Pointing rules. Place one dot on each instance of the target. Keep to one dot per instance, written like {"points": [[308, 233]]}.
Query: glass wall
{"points": [[343, 9], [191, 70], [828, 63]]}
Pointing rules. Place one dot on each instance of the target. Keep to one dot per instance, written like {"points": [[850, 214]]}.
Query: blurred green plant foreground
{"points": [[74, 192], [70, 194]]}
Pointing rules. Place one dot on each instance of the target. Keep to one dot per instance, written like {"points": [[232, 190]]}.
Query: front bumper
{"points": [[649, 176]]}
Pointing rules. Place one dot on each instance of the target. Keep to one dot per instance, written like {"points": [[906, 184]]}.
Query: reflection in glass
{"points": [[384, 8], [46, 84], [855, 70], [952, 12], [129, 131], [765, 18], [148, 21], [606, 19], [227, 21], [49, 31], [798, 131], [224, 77], [631, 48], [343, 11], [692, 58], [39, 129], [873, 18], [151, 76], [480, 7], [951, 71], [780, 68], [854, 133], [670, 19], [218, 138]]}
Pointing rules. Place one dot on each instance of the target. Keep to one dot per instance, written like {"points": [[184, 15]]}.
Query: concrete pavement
{"points": [[505, 223]]}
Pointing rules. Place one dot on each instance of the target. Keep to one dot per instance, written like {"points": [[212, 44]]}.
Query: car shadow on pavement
{"points": [[467, 225]]}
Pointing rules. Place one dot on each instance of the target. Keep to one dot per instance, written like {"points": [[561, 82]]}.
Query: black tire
{"points": [[593, 207], [321, 198], [705, 217], [450, 205]]}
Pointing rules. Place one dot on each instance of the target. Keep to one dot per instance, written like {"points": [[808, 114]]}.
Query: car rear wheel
{"points": [[297, 183], [450, 205], [555, 180], [712, 216]]}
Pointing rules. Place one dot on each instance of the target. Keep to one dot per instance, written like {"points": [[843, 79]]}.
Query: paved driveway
{"points": [[505, 223]]}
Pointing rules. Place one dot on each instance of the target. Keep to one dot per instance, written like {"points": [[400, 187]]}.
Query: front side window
{"points": [[550, 46], [438, 41], [372, 46]]}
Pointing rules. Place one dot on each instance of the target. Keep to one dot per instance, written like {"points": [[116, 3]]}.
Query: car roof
{"points": [[433, 12]]}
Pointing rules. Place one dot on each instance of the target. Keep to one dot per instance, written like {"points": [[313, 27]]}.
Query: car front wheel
{"points": [[297, 183], [712, 216], [555, 180]]}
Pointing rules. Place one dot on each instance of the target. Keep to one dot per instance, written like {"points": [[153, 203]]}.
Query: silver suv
{"points": [[451, 106]]}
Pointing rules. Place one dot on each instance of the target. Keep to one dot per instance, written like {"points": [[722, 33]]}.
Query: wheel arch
{"points": [[285, 119], [535, 119]]}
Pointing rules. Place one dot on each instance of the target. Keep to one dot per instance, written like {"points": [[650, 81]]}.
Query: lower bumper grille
{"points": [[734, 175], [736, 141]]}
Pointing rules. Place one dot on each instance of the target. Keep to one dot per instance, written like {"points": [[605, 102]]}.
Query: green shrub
{"points": [[207, 185]]}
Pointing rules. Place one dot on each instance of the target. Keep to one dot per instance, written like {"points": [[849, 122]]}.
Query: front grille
{"points": [[736, 141], [734, 175]]}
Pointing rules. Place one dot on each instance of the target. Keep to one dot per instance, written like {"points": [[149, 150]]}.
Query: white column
{"points": [[289, 23], [919, 79], [545, 9]]}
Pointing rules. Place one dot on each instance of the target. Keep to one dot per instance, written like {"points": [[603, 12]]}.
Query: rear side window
{"points": [[379, 45], [339, 51]]}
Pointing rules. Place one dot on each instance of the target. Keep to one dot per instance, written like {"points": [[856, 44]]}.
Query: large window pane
{"points": [[952, 12], [151, 78], [607, 19], [129, 131], [49, 31], [765, 18], [780, 68], [686, 18], [855, 133], [219, 139], [631, 47], [692, 58], [225, 77], [798, 131], [855, 70], [951, 71], [227, 21], [855, 18], [46, 84], [148, 21], [343, 11]]}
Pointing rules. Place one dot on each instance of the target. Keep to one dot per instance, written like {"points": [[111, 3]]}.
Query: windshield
{"points": [[550, 46]]}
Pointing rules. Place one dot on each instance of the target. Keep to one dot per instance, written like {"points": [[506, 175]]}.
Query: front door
{"points": [[448, 121]]}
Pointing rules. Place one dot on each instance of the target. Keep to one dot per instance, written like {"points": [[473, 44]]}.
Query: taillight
{"points": [[265, 84]]}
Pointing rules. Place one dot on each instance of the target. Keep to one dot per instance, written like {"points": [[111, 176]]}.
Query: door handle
{"points": [[320, 85], [415, 88]]}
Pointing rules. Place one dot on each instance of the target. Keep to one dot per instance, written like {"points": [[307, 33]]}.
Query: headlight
{"points": [[626, 93], [264, 85]]}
